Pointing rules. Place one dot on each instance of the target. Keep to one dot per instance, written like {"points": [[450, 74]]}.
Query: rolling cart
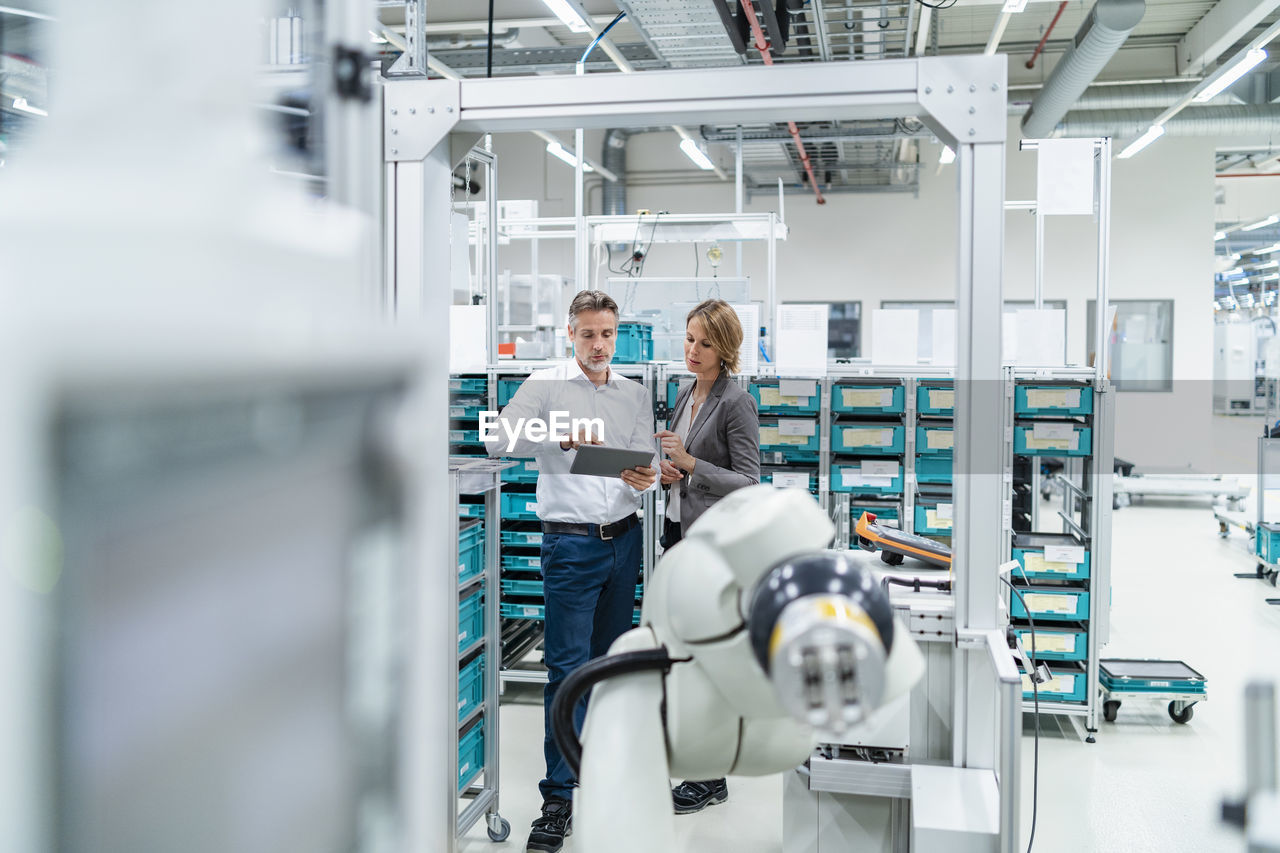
{"points": [[1151, 679]]}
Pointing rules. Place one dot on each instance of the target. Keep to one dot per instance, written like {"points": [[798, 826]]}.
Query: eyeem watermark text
{"points": [[560, 428]]}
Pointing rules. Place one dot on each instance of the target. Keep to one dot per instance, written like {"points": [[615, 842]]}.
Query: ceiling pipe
{"points": [[613, 154], [1193, 121], [1062, 7], [1136, 97], [460, 42], [1107, 26]]}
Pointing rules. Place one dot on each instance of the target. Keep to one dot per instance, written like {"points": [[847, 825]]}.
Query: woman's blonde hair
{"points": [[720, 322]]}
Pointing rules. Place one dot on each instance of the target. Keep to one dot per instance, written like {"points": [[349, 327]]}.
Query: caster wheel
{"points": [[1184, 716], [1115, 504], [1109, 710], [890, 558], [1259, 570], [504, 830]]}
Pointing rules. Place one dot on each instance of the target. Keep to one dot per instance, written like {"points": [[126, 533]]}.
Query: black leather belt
{"points": [[604, 531]]}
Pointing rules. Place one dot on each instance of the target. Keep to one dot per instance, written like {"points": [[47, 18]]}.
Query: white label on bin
{"points": [[790, 480], [768, 435], [944, 511], [1053, 430], [931, 519], [532, 506], [1053, 398], [854, 477], [942, 399], [864, 437], [1063, 604], [1037, 564], [462, 771], [798, 388], [867, 398], [773, 398], [1070, 443], [1064, 644], [462, 703], [529, 611], [462, 567], [1065, 683], [1161, 684], [531, 465], [462, 635], [1073, 554], [797, 427], [879, 469], [939, 439]]}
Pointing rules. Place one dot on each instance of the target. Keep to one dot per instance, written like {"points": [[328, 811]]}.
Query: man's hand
{"points": [[639, 478], [582, 434], [670, 473]]}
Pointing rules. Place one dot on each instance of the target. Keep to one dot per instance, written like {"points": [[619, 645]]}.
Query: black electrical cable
{"points": [[946, 5], [488, 68], [649, 246], [603, 33], [1035, 699], [581, 680]]}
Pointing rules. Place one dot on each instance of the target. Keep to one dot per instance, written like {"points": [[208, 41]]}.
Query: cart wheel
{"points": [[1260, 570], [1115, 503], [865, 544], [1109, 709], [504, 830], [890, 558], [1184, 716]]}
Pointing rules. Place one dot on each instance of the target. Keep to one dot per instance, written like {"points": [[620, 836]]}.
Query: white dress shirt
{"points": [[625, 408]]}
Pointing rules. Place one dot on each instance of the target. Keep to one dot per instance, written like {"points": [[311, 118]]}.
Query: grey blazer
{"points": [[725, 439]]}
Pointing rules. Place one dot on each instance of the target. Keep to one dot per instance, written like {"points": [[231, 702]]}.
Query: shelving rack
{"points": [[475, 693]]}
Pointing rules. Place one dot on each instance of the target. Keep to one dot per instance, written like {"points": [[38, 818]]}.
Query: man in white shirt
{"points": [[591, 542]]}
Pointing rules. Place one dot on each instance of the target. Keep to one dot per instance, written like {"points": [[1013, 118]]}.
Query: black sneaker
{"points": [[549, 831], [690, 797]]}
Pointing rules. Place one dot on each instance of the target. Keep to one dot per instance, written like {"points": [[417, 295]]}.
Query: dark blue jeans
{"points": [[590, 587]]}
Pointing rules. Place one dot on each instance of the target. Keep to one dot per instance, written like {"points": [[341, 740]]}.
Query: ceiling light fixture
{"points": [[1221, 235], [696, 154], [947, 156], [555, 149], [1267, 250], [1230, 74], [1153, 133], [1262, 223], [568, 15], [22, 105]]}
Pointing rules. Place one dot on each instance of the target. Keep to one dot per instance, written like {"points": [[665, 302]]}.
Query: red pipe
{"points": [[762, 45], [1250, 175], [1031, 63]]}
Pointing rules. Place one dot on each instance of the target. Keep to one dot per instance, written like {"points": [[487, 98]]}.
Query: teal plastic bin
{"points": [[470, 687], [1050, 604], [519, 506], [469, 385], [523, 610], [935, 470], [1052, 439], [1055, 643], [867, 437], [470, 550], [936, 400], [931, 520], [859, 479], [935, 441], [1034, 550], [868, 399], [770, 399], [470, 755], [1052, 400], [471, 619], [635, 343], [524, 471], [1067, 685]]}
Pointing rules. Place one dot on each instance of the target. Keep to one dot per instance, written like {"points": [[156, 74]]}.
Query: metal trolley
{"points": [[475, 766], [1152, 679]]}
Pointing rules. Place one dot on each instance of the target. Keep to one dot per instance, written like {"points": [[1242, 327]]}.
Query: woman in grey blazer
{"points": [[712, 446]]}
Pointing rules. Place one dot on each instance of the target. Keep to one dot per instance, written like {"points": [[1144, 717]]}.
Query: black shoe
{"points": [[690, 797], [549, 831]]}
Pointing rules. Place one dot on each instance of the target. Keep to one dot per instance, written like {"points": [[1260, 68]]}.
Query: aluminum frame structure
{"points": [[962, 99]]}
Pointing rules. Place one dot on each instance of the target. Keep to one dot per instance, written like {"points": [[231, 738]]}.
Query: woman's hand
{"points": [[674, 448], [670, 473]]}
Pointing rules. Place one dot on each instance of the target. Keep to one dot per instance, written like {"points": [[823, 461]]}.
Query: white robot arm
{"points": [[753, 638]]}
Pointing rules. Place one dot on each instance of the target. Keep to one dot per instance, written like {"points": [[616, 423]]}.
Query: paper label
{"points": [[462, 567], [1064, 644], [768, 435], [1063, 604], [1053, 398], [1071, 443], [931, 520], [879, 469], [854, 477], [462, 703], [462, 635], [1065, 683], [531, 465], [938, 439], [867, 398], [1070, 554], [1161, 684], [1043, 430], [457, 411], [529, 611], [798, 388], [863, 437], [940, 398], [1038, 564], [791, 480], [797, 427], [773, 398], [944, 511], [531, 507], [462, 771]]}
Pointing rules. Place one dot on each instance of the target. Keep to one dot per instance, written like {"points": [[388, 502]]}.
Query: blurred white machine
{"points": [[1240, 348]]}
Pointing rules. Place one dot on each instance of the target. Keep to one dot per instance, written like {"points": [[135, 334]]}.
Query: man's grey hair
{"points": [[590, 300]]}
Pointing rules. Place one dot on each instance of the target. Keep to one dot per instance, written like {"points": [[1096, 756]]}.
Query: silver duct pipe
{"points": [[1193, 121], [1136, 97], [473, 42], [1099, 37], [613, 156]]}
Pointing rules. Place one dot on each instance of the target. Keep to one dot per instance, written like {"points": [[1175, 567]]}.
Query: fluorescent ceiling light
{"points": [[1262, 223], [557, 150], [22, 105], [1231, 74], [947, 156], [1216, 306], [1275, 276], [1153, 133], [1269, 265], [696, 154], [1267, 250], [1221, 235], [568, 15], [1234, 271]]}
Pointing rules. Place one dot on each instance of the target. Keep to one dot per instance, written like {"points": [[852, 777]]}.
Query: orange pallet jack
{"points": [[894, 545]]}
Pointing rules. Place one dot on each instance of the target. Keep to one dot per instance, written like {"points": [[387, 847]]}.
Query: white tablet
{"points": [[600, 461]]}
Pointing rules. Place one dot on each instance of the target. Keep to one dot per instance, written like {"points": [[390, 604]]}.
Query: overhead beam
{"points": [[1221, 27]]}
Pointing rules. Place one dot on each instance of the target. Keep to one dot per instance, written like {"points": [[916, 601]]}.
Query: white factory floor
{"points": [[1148, 784]]}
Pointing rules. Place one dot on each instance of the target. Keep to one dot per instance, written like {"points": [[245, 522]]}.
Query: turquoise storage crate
{"points": [[1052, 400], [868, 399], [519, 506], [471, 619], [635, 343], [522, 587], [1266, 541], [810, 477], [470, 510], [932, 522], [1067, 685], [1056, 644], [890, 515], [673, 391], [470, 550], [635, 617], [935, 441], [507, 389], [770, 399], [1027, 443], [1051, 604], [465, 409], [524, 471], [472, 385], [936, 400], [521, 538], [772, 437], [471, 687], [1029, 551], [465, 436], [935, 469], [863, 438], [850, 477], [470, 755], [1150, 676], [523, 610], [521, 562]]}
